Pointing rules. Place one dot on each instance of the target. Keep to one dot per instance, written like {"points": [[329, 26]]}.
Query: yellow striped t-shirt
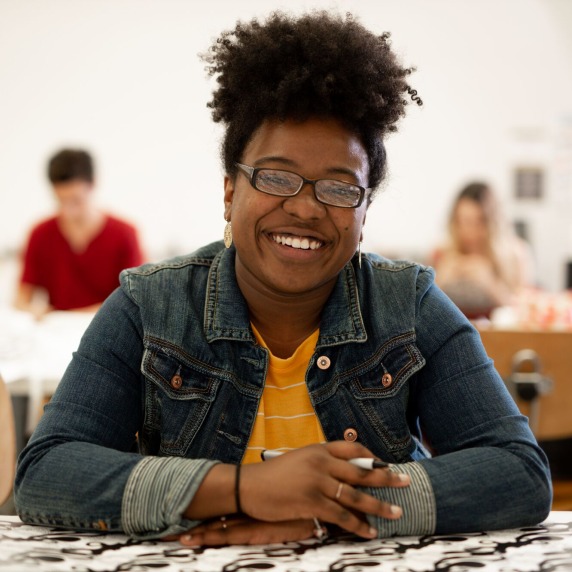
{"points": [[286, 418]]}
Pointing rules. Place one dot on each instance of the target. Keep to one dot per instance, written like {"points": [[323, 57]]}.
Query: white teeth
{"points": [[295, 242]]}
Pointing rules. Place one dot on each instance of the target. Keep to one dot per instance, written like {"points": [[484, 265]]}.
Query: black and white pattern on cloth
{"points": [[543, 548]]}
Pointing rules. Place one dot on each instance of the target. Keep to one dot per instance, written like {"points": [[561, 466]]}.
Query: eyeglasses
{"points": [[287, 184]]}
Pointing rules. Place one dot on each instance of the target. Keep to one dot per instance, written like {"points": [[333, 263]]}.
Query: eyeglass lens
{"points": [[285, 183]]}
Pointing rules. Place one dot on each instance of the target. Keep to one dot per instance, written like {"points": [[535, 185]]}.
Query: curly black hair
{"points": [[317, 64]]}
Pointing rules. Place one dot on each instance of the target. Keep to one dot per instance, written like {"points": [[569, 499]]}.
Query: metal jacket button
{"points": [[386, 379], [176, 381], [324, 362], [350, 434]]}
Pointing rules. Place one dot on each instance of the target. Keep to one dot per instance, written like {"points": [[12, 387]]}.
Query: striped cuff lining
{"points": [[157, 493], [417, 502]]}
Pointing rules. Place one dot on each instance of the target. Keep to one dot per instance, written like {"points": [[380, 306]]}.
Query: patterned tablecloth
{"points": [[543, 548]]}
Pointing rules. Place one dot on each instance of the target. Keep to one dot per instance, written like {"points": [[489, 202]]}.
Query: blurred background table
{"points": [[34, 355]]}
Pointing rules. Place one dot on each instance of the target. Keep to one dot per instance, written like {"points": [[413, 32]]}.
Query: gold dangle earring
{"points": [[227, 234], [359, 253]]}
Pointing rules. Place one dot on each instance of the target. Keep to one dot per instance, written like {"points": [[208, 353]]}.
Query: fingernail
{"points": [[188, 540], [372, 532], [395, 510], [403, 477]]}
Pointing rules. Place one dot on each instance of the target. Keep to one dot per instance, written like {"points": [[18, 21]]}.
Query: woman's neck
{"points": [[284, 321]]}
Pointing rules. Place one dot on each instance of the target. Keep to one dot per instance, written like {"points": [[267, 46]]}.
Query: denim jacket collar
{"points": [[226, 312]]}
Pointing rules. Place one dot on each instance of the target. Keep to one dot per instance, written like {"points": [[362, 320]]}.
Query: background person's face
{"points": [[261, 223], [471, 227], [74, 198]]}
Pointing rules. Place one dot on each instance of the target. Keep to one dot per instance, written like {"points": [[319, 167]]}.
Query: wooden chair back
{"points": [[550, 412], [7, 443], [554, 353]]}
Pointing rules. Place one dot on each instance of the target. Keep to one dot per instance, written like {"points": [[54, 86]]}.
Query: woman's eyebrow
{"points": [[292, 165], [274, 159]]}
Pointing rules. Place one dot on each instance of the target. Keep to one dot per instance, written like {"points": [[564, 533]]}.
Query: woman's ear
{"points": [[228, 195]]}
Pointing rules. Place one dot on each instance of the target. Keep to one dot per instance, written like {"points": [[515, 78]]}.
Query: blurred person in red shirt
{"points": [[72, 260]]}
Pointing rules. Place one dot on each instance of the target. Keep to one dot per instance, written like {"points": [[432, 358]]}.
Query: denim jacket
{"points": [[168, 377]]}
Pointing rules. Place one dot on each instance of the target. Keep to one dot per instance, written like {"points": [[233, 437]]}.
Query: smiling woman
{"points": [[286, 337], [271, 230]]}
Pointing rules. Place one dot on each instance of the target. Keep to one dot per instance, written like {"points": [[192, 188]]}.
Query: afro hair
{"points": [[317, 64]]}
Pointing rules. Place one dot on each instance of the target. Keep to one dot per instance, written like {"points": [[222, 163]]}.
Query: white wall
{"points": [[122, 78]]}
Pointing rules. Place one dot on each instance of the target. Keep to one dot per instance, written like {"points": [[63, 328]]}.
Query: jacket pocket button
{"points": [[350, 434], [176, 381], [324, 362], [386, 379]]}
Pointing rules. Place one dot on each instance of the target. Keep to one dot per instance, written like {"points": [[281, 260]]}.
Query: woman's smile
{"points": [[297, 242]]}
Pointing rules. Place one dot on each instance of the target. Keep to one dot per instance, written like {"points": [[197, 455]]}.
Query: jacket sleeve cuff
{"points": [[157, 493], [417, 502]]}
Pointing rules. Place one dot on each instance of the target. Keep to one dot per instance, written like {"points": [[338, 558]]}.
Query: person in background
{"points": [[484, 264], [72, 260], [287, 337]]}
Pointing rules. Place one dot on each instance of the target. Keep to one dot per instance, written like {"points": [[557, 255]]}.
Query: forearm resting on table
{"points": [[30, 298], [215, 495], [25, 298], [158, 493]]}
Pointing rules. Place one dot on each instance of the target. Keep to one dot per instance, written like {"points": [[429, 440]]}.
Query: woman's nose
{"points": [[304, 205]]}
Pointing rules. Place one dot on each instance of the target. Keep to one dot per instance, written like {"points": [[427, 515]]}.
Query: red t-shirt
{"points": [[78, 279]]}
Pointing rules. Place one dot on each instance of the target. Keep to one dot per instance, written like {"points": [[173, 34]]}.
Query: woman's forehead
{"points": [[322, 142]]}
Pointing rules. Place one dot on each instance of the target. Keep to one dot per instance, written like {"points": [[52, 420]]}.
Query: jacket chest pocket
{"points": [[179, 394], [381, 394]]}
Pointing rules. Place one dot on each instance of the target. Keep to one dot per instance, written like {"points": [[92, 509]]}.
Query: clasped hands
{"points": [[285, 499]]}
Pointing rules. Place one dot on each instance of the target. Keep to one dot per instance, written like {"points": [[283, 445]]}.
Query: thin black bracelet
{"points": [[237, 490]]}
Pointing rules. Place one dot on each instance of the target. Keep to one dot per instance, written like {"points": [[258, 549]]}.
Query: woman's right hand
{"points": [[317, 481]]}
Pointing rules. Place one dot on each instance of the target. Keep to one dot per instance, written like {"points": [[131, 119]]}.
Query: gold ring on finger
{"points": [[339, 491]]}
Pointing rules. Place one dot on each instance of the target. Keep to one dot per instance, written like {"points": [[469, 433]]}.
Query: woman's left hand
{"points": [[244, 530]]}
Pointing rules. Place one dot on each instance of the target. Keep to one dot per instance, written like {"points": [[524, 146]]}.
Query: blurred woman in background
{"points": [[483, 264]]}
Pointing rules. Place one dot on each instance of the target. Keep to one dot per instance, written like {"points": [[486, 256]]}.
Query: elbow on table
{"points": [[32, 483], [532, 501], [542, 483], [23, 495], [542, 496], [509, 491]]}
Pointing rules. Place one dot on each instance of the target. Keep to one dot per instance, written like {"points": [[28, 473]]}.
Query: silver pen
{"points": [[362, 462]]}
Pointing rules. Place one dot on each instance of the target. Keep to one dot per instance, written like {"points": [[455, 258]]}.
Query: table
{"points": [[543, 548], [34, 354]]}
